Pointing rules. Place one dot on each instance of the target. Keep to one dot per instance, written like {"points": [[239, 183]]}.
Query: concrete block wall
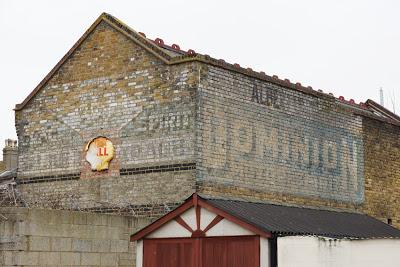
{"points": [[34, 237]]}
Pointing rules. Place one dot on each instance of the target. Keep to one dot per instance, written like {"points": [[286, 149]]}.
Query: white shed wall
{"points": [[264, 252], [301, 251], [139, 253]]}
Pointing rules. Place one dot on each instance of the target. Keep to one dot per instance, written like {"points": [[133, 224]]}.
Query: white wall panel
{"points": [[299, 251]]}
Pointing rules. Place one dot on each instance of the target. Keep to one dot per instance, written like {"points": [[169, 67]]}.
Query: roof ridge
{"points": [[382, 109], [288, 205], [155, 47]]}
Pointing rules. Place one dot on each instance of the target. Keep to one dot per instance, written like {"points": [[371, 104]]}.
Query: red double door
{"points": [[243, 251]]}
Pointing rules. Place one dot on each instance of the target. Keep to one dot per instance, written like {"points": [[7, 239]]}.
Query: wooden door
{"points": [[241, 251], [230, 252], [177, 252]]}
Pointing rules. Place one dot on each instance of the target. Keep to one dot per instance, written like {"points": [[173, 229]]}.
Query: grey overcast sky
{"points": [[347, 47]]}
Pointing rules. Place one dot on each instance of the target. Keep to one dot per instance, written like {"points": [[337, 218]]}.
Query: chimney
{"points": [[10, 154]]}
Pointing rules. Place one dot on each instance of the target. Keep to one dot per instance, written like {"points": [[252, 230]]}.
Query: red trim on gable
{"points": [[198, 217], [195, 199], [233, 219], [189, 203], [163, 220], [183, 224], [198, 233], [213, 223]]}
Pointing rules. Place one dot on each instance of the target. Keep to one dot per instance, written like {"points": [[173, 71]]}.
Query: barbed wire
{"points": [[11, 197]]}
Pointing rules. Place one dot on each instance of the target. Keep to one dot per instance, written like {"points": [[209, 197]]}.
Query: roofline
{"points": [[361, 109], [155, 48], [161, 221], [116, 24], [195, 201], [377, 107]]}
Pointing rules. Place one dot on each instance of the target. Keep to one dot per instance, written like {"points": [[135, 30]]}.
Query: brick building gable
{"points": [[113, 86], [183, 122], [104, 19]]}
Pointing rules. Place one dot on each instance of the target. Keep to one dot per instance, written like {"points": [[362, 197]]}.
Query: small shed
{"points": [[206, 232]]}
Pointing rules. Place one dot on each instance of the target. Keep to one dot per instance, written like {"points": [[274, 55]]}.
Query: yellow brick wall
{"points": [[382, 170], [112, 87]]}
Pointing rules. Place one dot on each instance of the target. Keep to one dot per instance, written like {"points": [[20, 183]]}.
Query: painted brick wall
{"points": [[382, 170], [114, 88], [258, 137]]}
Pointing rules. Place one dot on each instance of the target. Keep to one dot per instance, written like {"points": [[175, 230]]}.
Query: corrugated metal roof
{"points": [[284, 220]]}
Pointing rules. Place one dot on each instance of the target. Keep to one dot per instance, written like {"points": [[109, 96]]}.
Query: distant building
{"points": [[135, 128], [8, 173], [10, 156]]}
